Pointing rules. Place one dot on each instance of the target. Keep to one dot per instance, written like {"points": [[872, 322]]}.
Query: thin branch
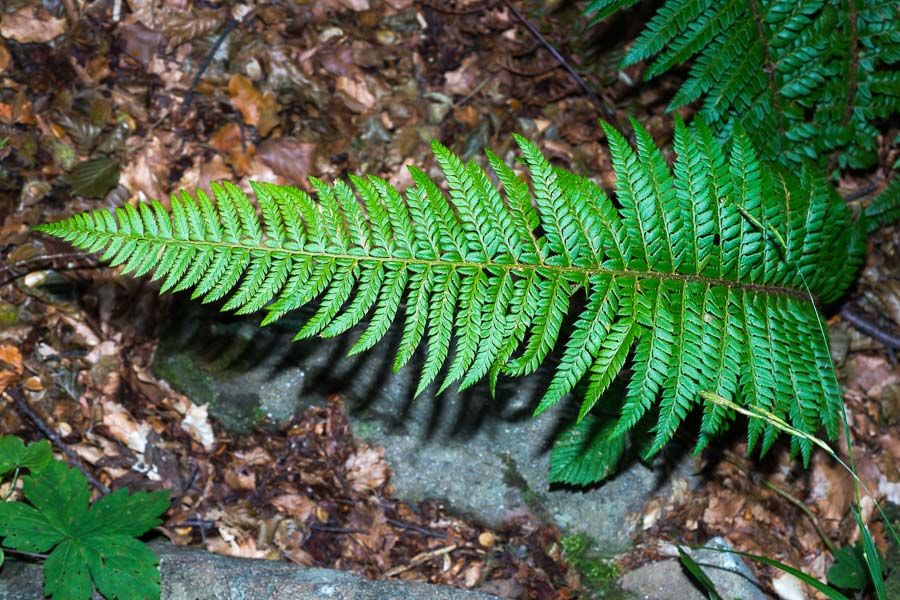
{"points": [[230, 25], [871, 325], [21, 404], [23, 267], [566, 64]]}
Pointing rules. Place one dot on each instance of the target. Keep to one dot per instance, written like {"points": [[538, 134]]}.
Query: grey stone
{"points": [[193, 574], [485, 457], [667, 579]]}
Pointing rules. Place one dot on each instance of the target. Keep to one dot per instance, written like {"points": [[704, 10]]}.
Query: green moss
{"points": [[8, 314], [536, 502], [600, 574]]}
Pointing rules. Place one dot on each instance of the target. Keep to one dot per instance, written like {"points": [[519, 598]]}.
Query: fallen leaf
{"points": [[31, 25], [124, 428], [289, 158], [258, 109], [299, 506], [359, 93], [196, 424], [366, 469], [11, 357], [4, 57], [229, 141]]}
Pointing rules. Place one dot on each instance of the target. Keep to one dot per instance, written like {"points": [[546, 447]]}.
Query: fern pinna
{"points": [[705, 276], [806, 79]]}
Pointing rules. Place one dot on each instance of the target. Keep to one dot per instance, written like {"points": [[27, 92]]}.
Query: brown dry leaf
{"points": [[146, 174], [124, 428], [464, 79], [870, 374], [4, 57], [238, 152], [234, 543], [359, 93], [831, 488], [10, 365], [141, 43], [184, 26], [289, 158], [299, 506], [258, 109], [196, 424], [240, 479], [367, 469], [31, 25]]}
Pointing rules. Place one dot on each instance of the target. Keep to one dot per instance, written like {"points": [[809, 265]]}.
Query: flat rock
{"points": [[667, 579], [194, 574], [484, 457]]}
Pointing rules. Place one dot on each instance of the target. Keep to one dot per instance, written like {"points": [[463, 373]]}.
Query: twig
{"points": [[25, 409], [334, 529], [609, 112], [230, 25], [9, 272], [860, 193], [71, 12], [441, 536], [871, 325], [418, 559]]}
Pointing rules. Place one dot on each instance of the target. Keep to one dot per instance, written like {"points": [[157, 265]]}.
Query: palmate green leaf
{"points": [[807, 79], [14, 454], [91, 546], [707, 275]]}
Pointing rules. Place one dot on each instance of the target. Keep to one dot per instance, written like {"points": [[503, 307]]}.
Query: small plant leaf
{"points": [[14, 454], [94, 545], [848, 571]]}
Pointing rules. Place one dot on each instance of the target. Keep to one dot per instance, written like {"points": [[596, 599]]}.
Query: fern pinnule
{"points": [[705, 275]]}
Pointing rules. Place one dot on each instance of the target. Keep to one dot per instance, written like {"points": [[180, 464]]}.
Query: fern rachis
{"points": [[696, 272]]}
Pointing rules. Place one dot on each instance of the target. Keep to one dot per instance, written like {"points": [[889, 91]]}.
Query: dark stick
{"points": [[230, 25], [25, 409], [609, 112], [41, 262], [869, 325], [441, 536], [860, 193]]}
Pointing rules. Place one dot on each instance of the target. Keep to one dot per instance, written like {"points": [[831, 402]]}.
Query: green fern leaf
{"points": [[706, 275], [809, 80]]}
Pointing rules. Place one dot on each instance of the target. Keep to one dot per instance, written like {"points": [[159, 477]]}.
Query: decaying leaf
{"points": [[31, 24], [258, 109], [93, 178], [289, 158]]}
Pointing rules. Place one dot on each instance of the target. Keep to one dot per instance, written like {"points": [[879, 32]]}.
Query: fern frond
{"points": [[699, 274], [808, 80]]}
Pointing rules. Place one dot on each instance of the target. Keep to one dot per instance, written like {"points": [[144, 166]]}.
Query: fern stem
{"points": [[768, 67], [576, 272]]}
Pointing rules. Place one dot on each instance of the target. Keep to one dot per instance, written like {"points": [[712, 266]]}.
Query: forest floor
{"points": [[108, 102]]}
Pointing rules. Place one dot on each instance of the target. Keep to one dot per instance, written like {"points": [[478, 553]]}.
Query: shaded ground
{"points": [[108, 102]]}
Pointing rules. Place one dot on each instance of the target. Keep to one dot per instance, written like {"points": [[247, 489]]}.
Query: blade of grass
{"points": [[698, 574]]}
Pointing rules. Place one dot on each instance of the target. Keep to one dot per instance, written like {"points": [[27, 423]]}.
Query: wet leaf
{"points": [[93, 178]]}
